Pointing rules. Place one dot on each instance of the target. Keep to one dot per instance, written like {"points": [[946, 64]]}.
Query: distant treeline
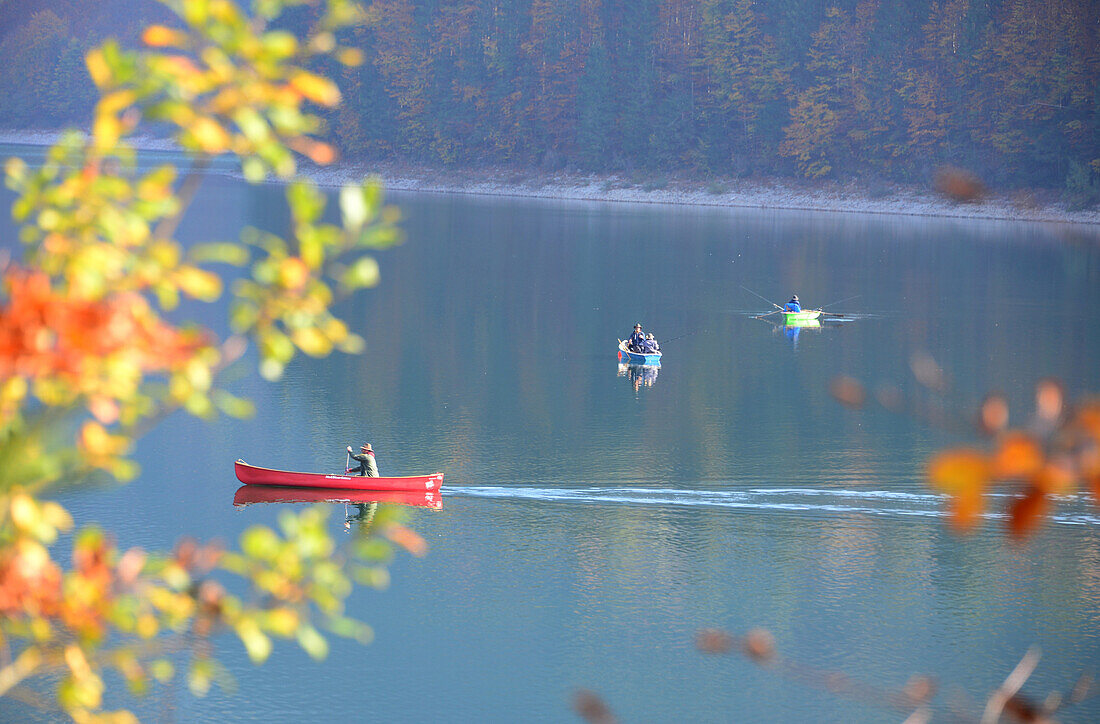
{"points": [[1009, 89]]}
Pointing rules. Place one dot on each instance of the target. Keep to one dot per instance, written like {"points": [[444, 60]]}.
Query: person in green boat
{"points": [[367, 466], [793, 305]]}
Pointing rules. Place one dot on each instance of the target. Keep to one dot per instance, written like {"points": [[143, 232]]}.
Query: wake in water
{"points": [[813, 500]]}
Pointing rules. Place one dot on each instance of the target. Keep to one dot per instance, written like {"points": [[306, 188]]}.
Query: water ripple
{"points": [[819, 500]]}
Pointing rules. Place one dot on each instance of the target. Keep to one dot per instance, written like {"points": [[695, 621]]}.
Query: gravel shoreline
{"points": [[656, 189]]}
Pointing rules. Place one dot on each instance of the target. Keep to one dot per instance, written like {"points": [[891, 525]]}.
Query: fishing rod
{"points": [[832, 304], [685, 334], [762, 297]]}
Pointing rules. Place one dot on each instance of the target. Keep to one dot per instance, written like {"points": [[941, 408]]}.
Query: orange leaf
{"points": [[848, 391], [1018, 455], [966, 509], [959, 470], [159, 36], [1088, 417], [408, 539], [994, 417], [104, 409], [293, 273], [1026, 512], [759, 645], [1049, 400], [1054, 478], [590, 707], [713, 641]]}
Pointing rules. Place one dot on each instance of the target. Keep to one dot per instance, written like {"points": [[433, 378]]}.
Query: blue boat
{"points": [[638, 358]]}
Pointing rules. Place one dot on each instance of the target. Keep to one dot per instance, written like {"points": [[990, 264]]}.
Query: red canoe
{"points": [[253, 475], [249, 494]]}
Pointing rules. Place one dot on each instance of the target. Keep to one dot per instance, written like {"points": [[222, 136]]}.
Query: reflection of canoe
{"points": [[253, 475], [248, 494], [636, 358], [806, 315]]}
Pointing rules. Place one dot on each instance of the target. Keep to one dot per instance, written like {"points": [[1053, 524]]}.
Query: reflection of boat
{"points": [[637, 358], [639, 375], [253, 475], [800, 319], [249, 494]]}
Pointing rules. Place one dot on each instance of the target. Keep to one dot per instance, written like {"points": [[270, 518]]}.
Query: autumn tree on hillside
{"points": [[745, 76]]}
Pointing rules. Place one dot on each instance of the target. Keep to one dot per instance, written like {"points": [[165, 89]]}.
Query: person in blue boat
{"points": [[636, 341], [367, 466], [650, 344], [793, 305]]}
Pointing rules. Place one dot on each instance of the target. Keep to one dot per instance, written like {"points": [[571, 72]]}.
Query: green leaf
{"points": [[199, 678], [221, 252], [260, 542], [353, 206], [233, 406], [255, 641], [350, 628], [363, 273], [312, 642], [306, 201], [162, 670]]}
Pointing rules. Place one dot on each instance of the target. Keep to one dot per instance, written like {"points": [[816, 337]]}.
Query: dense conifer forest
{"points": [[813, 89]]}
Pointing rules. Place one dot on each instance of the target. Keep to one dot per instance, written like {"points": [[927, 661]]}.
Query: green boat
{"points": [[801, 318]]}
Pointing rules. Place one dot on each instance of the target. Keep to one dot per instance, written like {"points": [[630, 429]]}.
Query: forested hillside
{"points": [[1009, 89]]}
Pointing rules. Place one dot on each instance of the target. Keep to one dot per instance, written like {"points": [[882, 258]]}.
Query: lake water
{"points": [[594, 518]]}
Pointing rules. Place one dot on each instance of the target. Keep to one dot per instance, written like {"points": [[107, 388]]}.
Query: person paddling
{"points": [[367, 466], [636, 341], [793, 305]]}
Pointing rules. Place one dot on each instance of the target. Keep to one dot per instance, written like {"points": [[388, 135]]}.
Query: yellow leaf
{"points": [[199, 283], [350, 57], [98, 443], [106, 130], [312, 342], [116, 101], [321, 91], [209, 134], [98, 68]]}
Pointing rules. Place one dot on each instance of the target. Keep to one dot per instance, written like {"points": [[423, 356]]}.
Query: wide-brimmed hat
{"points": [[365, 446], [638, 325], [794, 297]]}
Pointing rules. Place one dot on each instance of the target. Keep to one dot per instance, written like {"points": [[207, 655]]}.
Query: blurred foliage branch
{"points": [[92, 352], [1054, 453]]}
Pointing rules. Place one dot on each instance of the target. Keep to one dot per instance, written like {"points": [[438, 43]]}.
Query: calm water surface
{"points": [[594, 518]]}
